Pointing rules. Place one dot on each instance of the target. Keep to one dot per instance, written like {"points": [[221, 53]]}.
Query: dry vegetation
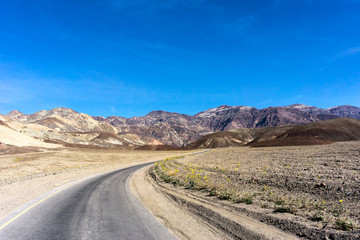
{"points": [[319, 183]]}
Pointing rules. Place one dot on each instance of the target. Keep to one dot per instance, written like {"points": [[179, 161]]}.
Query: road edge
{"points": [[184, 225]]}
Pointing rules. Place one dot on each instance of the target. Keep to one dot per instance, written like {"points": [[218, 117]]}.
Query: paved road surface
{"points": [[101, 207]]}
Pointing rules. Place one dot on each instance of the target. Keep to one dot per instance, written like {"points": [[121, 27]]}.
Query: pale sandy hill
{"points": [[18, 126], [11, 137]]}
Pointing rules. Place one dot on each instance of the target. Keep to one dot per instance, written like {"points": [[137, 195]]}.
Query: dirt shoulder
{"points": [[181, 223]]}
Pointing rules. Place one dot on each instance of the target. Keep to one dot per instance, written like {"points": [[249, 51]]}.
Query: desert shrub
{"points": [[343, 225], [224, 194], [317, 217], [212, 192], [192, 184], [284, 209], [247, 199]]}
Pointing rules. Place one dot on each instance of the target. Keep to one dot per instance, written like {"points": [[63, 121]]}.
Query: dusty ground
{"points": [[320, 184], [25, 176]]}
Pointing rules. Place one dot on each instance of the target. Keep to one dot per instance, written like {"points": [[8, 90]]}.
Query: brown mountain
{"points": [[328, 131], [346, 111], [179, 129], [227, 117], [175, 129]]}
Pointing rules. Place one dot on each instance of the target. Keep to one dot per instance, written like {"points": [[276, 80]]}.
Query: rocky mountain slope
{"points": [[329, 131], [324, 132], [179, 129], [160, 127], [64, 120]]}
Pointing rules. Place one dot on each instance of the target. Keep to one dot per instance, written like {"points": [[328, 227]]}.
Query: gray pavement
{"points": [[101, 207]]}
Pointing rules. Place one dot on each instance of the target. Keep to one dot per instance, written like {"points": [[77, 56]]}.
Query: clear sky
{"points": [[127, 58]]}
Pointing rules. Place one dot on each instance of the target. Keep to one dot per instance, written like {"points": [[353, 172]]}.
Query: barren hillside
{"points": [[325, 132]]}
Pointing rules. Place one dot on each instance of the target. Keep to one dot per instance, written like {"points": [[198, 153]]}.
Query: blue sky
{"points": [[128, 58]]}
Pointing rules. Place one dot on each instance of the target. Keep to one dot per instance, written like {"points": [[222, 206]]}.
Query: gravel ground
{"points": [[318, 183]]}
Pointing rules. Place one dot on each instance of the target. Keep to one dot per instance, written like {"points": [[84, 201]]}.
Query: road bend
{"points": [[101, 207]]}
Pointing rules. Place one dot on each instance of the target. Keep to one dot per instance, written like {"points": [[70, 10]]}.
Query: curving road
{"points": [[101, 207]]}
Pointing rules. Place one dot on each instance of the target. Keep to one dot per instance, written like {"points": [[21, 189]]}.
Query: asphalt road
{"points": [[100, 207]]}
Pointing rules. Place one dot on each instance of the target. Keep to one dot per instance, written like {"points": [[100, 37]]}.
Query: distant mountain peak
{"points": [[15, 112], [62, 109], [162, 113], [342, 106], [17, 115], [224, 106], [155, 112], [216, 111], [297, 105]]}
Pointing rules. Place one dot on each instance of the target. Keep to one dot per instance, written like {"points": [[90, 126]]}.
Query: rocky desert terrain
{"points": [[312, 186]]}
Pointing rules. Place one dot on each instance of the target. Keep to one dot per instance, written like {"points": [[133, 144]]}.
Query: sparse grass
{"points": [[344, 225], [26, 158], [246, 199], [319, 183]]}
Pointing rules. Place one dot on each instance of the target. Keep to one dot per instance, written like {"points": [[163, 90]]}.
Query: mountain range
{"points": [[66, 126]]}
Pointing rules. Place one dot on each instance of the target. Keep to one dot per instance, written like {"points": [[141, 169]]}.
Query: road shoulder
{"points": [[181, 223]]}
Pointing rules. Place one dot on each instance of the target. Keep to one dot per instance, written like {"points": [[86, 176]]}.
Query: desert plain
{"points": [[319, 184]]}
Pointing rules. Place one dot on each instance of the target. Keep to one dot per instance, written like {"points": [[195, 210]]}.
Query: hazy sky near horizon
{"points": [[128, 58]]}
